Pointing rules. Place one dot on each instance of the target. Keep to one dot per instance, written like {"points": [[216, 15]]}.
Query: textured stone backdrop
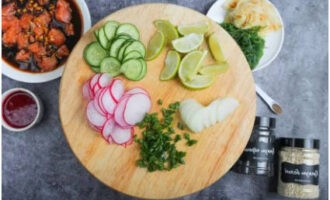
{"points": [[39, 164]]}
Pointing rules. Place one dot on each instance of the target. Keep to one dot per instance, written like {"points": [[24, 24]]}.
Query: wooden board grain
{"points": [[218, 147]]}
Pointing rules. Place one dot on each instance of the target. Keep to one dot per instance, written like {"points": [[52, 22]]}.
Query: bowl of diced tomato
{"points": [[38, 36]]}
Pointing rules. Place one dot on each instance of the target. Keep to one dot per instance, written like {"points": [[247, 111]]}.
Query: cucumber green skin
{"points": [[94, 61], [107, 61], [132, 55], [115, 46], [129, 29], [96, 69], [122, 49], [144, 69], [140, 67], [136, 46], [110, 29], [103, 40]]}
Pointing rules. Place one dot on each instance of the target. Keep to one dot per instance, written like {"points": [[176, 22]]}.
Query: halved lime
{"points": [[200, 28], [191, 64], [214, 69], [172, 63], [199, 82], [215, 48], [188, 43], [155, 45], [167, 29]]}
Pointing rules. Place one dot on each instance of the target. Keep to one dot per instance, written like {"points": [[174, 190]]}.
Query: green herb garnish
{"points": [[189, 142], [249, 41], [180, 126], [160, 102], [157, 148]]}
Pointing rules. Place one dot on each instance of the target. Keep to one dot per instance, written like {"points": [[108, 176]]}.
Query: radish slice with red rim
{"points": [[104, 80], [108, 102], [136, 107], [119, 112], [97, 102], [108, 128], [121, 135], [86, 91], [117, 89], [136, 90], [93, 116]]}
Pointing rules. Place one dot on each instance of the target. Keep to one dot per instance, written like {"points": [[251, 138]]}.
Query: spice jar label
{"points": [[300, 173], [258, 151]]}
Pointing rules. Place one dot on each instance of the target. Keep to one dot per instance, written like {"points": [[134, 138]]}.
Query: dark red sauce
{"points": [[19, 109], [9, 52]]}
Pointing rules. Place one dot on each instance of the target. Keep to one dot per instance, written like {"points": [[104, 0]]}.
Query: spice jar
{"points": [[258, 155], [299, 161]]}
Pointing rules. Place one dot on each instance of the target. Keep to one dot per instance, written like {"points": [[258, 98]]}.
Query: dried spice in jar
{"points": [[299, 161]]}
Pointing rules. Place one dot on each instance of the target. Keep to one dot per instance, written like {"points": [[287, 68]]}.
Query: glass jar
{"points": [[258, 156], [299, 161]]}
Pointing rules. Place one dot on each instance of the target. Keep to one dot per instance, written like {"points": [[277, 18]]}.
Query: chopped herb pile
{"points": [[189, 142], [249, 41], [157, 145]]}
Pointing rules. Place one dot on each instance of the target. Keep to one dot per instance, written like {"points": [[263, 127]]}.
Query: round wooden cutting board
{"points": [[218, 147]]}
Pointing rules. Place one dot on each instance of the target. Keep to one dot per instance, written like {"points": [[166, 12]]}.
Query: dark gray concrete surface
{"points": [[38, 164]]}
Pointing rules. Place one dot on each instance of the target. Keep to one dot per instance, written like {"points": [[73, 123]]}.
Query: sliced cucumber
{"points": [[96, 34], [132, 55], [110, 65], [94, 54], [123, 35], [104, 42], [132, 69], [144, 69], [110, 29], [123, 48], [96, 69], [136, 46], [128, 29], [115, 46]]}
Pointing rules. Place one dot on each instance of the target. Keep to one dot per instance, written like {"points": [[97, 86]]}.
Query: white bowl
{"points": [[29, 77], [38, 117], [273, 40]]}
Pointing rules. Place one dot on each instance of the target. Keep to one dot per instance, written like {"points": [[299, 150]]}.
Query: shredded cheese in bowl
{"points": [[249, 13]]}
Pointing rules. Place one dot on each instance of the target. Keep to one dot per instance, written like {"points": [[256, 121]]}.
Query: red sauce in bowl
{"points": [[19, 109]]}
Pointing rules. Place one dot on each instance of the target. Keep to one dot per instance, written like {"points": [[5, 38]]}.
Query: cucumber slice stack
{"points": [[117, 50]]}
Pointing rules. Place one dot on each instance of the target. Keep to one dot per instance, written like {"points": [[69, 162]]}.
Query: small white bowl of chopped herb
{"points": [[256, 26]]}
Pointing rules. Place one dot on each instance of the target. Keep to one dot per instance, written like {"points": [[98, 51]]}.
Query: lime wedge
{"points": [[188, 43], [199, 28], [199, 82], [214, 69], [190, 65], [167, 29], [215, 48], [172, 62], [155, 45]]}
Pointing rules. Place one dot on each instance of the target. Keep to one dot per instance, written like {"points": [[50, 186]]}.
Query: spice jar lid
{"points": [[265, 122], [300, 143]]}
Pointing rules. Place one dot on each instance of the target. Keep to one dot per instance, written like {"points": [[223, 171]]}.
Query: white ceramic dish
{"points": [[27, 77], [273, 41], [36, 120]]}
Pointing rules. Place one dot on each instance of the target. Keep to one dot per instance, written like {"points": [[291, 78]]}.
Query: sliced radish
{"points": [[136, 107], [119, 112], [107, 101], [93, 116], [121, 135], [136, 90], [86, 91], [98, 103], [108, 128], [117, 89], [104, 80], [93, 81], [97, 128]]}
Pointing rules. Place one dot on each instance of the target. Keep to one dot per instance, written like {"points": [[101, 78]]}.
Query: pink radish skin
{"points": [[117, 89], [97, 104], [119, 112], [93, 116], [122, 136], [136, 90], [86, 92], [93, 81], [104, 80], [136, 107], [108, 102], [108, 128]]}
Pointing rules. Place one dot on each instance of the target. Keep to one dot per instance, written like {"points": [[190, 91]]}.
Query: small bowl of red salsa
{"points": [[21, 109], [38, 36]]}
